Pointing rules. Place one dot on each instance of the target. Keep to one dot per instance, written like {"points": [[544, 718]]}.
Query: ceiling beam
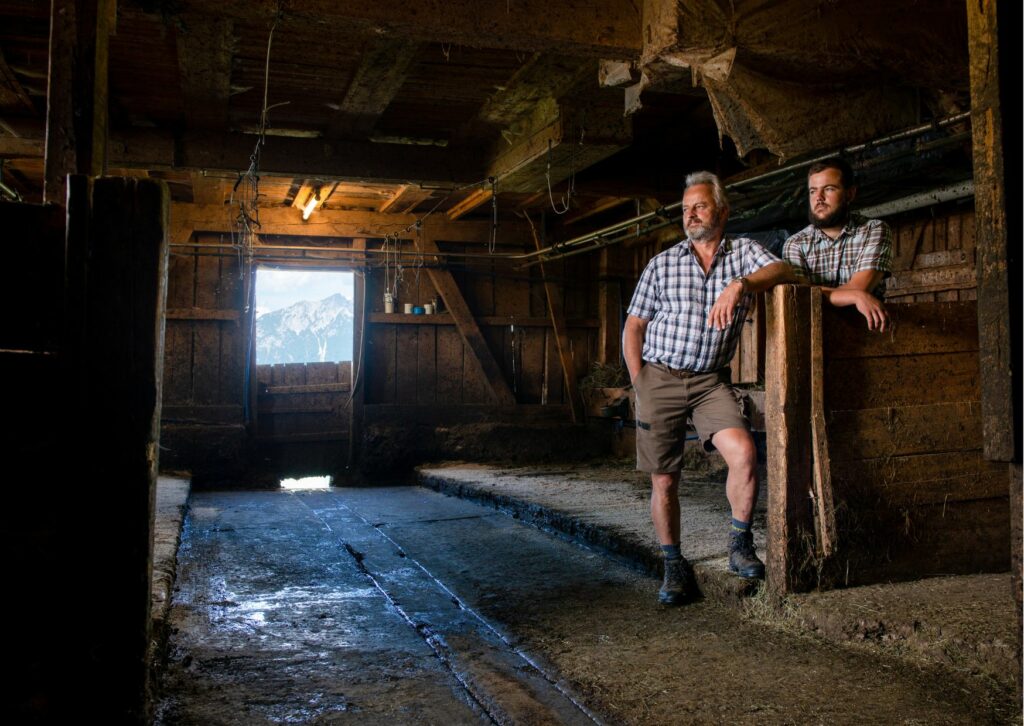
{"points": [[406, 199], [77, 92], [415, 167], [577, 139], [470, 202], [595, 28], [281, 156], [381, 72], [287, 221]]}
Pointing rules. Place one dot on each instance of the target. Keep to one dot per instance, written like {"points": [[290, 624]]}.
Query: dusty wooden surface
{"points": [[998, 306], [788, 405]]}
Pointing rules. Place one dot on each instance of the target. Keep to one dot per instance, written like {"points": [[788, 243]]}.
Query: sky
{"points": [[276, 289]]}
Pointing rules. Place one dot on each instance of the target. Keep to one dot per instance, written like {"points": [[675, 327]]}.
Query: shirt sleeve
{"points": [[876, 253], [645, 297], [756, 257], [793, 253]]}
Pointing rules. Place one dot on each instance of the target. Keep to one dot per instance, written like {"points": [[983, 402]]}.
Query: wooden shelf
{"points": [[491, 320]]}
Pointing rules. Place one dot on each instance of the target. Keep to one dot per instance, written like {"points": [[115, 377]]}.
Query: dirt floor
{"points": [[406, 606]]}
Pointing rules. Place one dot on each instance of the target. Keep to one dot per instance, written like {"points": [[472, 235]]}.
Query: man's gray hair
{"points": [[717, 190]]}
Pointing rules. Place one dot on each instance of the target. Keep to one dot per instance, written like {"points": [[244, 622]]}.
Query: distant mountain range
{"points": [[311, 331]]}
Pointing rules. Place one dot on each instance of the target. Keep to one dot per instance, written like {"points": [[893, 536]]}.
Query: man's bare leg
{"points": [[665, 507], [737, 448]]}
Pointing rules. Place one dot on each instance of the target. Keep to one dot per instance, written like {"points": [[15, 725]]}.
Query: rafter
{"points": [[287, 221], [596, 28]]}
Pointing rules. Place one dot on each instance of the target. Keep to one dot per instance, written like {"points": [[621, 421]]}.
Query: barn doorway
{"points": [[303, 351]]}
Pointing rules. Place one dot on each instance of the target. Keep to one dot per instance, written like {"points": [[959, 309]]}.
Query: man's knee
{"points": [[664, 484], [737, 447]]}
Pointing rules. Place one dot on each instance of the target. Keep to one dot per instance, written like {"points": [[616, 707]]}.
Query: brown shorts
{"points": [[664, 400]]}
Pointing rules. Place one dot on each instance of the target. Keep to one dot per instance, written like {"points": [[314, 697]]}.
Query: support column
{"points": [[77, 95], [791, 533], [117, 289]]}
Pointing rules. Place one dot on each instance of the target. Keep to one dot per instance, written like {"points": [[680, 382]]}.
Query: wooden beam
{"points": [[382, 70], [539, 82], [470, 202], [599, 28], [77, 92], [577, 139], [287, 221], [406, 199], [205, 49], [787, 416], [480, 354], [821, 462], [203, 314], [609, 306], [14, 148], [602, 204], [333, 160], [557, 313], [999, 320]]}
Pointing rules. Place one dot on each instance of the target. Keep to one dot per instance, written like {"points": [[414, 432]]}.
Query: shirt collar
{"points": [[724, 247]]}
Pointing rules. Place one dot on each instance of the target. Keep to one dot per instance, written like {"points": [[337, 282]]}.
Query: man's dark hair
{"points": [[845, 170]]}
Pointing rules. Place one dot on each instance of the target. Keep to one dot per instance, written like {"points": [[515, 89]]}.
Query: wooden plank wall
{"points": [[203, 423], [422, 359], [206, 340], [914, 495], [934, 256], [301, 402]]}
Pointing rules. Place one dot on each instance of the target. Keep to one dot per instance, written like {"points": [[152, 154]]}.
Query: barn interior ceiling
{"points": [[440, 105]]}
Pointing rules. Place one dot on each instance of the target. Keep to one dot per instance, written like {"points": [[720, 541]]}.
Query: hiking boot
{"points": [[743, 559], [675, 588]]}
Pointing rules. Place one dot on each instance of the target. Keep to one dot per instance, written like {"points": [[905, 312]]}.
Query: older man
{"points": [[848, 255], [680, 334]]}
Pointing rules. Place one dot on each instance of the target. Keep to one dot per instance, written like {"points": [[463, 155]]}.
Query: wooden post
{"points": [[989, 32], [787, 404], [823, 499], [572, 391], [609, 306], [115, 369], [77, 107], [356, 410], [480, 355]]}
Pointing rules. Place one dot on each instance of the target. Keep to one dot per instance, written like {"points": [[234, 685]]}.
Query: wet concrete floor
{"points": [[402, 605]]}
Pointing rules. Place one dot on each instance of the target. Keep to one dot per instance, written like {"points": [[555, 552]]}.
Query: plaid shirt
{"points": [[864, 244], [674, 294]]}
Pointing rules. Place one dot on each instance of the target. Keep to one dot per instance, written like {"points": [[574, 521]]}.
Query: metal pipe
{"points": [[553, 251], [947, 193]]}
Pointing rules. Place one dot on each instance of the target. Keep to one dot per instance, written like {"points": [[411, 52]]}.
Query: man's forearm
{"points": [[769, 276], [633, 346]]}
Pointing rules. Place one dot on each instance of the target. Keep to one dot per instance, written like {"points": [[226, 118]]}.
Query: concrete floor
{"points": [[406, 606]]}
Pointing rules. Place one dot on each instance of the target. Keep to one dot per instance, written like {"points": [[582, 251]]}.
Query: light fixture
{"points": [[312, 203]]}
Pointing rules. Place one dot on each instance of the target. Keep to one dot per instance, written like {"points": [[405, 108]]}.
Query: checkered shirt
{"points": [[864, 244], [674, 294]]}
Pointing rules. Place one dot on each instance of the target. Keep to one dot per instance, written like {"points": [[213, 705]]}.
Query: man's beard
{"points": [[703, 232], [838, 218]]}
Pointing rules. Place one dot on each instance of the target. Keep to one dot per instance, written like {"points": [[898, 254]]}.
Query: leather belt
{"points": [[677, 372]]}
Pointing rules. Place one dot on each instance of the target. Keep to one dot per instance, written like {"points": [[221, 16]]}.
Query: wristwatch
{"points": [[742, 281]]}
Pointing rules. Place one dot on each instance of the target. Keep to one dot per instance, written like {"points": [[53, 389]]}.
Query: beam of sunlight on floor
{"points": [[307, 482]]}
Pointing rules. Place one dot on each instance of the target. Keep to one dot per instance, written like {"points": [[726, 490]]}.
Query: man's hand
{"points": [[856, 292], [722, 311], [868, 305]]}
